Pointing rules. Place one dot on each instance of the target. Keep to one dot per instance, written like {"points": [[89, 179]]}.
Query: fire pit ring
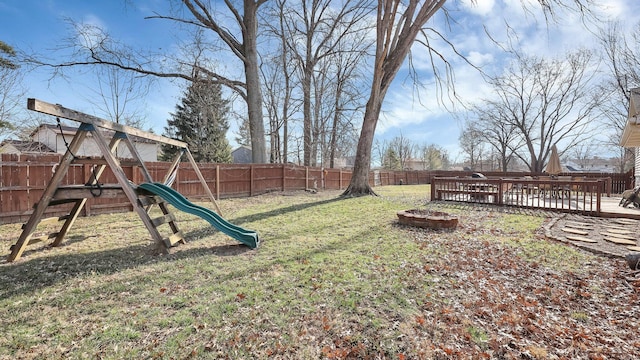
{"points": [[427, 219]]}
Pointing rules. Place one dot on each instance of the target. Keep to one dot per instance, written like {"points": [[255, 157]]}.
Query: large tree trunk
{"points": [[360, 177], [254, 95], [306, 112]]}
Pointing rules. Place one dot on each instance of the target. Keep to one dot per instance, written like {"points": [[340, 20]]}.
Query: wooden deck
{"points": [[587, 197], [610, 208]]}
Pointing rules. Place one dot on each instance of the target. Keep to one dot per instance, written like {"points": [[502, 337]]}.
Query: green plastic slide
{"points": [[247, 237]]}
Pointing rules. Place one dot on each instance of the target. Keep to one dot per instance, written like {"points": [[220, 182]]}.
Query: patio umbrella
{"points": [[553, 167]]}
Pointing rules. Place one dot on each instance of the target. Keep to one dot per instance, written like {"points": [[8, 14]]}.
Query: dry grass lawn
{"points": [[334, 278]]}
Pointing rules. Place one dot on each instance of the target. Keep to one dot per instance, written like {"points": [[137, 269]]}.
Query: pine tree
{"points": [[201, 121], [243, 136], [6, 61]]}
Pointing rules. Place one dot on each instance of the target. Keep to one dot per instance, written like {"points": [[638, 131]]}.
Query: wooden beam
{"points": [[61, 111], [87, 192], [114, 164], [101, 161]]}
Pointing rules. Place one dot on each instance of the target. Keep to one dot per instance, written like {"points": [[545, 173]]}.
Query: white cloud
{"points": [[480, 7], [95, 21], [480, 59]]}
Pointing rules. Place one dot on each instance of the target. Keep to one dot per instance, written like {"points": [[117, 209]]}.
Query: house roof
{"points": [[28, 146], [242, 147], [631, 133]]}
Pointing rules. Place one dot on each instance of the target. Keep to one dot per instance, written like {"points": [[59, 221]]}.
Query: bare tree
{"points": [[380, 149], [279, 83], [434, 157], [348, 100], [403, 149], [118, 95], [98, 48], [315, 30], [502, 136], [472, 144], [621, 51], [547, 102], [582, 153], [398, 24]]}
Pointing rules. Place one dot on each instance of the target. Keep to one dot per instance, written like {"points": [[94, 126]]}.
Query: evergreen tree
{"points": [[201, 121], [243, 136], [9, 80], [6, 61]]}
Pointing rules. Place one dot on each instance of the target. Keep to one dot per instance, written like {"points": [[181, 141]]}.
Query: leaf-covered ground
{"points": [[333, 278]]}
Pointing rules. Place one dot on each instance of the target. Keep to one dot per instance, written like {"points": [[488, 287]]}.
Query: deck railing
{"points": [[568, 195]]}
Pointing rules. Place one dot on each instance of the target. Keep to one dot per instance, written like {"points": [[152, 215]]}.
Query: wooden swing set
{"points": [[56, 194]]}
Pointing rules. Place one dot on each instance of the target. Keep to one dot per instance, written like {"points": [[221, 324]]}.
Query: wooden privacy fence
{"points": [[23, 179]]}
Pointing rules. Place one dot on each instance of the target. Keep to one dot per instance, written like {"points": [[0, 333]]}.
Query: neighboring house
{"points": [[631, 134], [596, 164], [23, 147], [342, 162], [242, 155], [54, 138]]}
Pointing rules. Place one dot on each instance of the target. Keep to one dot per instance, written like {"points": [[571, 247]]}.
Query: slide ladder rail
{"points": [[247, 237]]}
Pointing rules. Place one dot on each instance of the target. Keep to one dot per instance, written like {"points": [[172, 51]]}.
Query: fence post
{"points": [[284, 177], [306, 178], [86, 175], [218, 182], [433, 190], [251, 182], [598, 198], [340, 181]]}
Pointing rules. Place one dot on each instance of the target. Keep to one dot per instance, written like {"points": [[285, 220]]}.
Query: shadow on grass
{"points": [[29, 275], [206, 231], [284, 210]]}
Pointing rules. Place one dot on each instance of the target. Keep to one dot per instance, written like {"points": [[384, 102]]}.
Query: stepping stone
{"points": [[620, 241], [581, 238], [633, 248], [578, 223], [617, 227], [575, 231], [620, 236], [579, 226], [626, 221], [618, 231]]}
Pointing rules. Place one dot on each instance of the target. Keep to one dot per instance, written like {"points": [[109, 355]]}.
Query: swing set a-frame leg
{"points": [[47, 195]]}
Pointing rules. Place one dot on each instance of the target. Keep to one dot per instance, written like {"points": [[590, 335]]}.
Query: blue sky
{"points": [[40, 25]]}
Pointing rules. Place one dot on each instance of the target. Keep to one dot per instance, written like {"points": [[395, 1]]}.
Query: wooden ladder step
{"points": [[172, 240], [51, 220], [163, 219], [149, 200], [61, 202], [37, 239]]}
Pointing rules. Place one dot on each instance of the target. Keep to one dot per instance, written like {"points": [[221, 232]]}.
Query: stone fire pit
{"points": [[427, 219]]}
